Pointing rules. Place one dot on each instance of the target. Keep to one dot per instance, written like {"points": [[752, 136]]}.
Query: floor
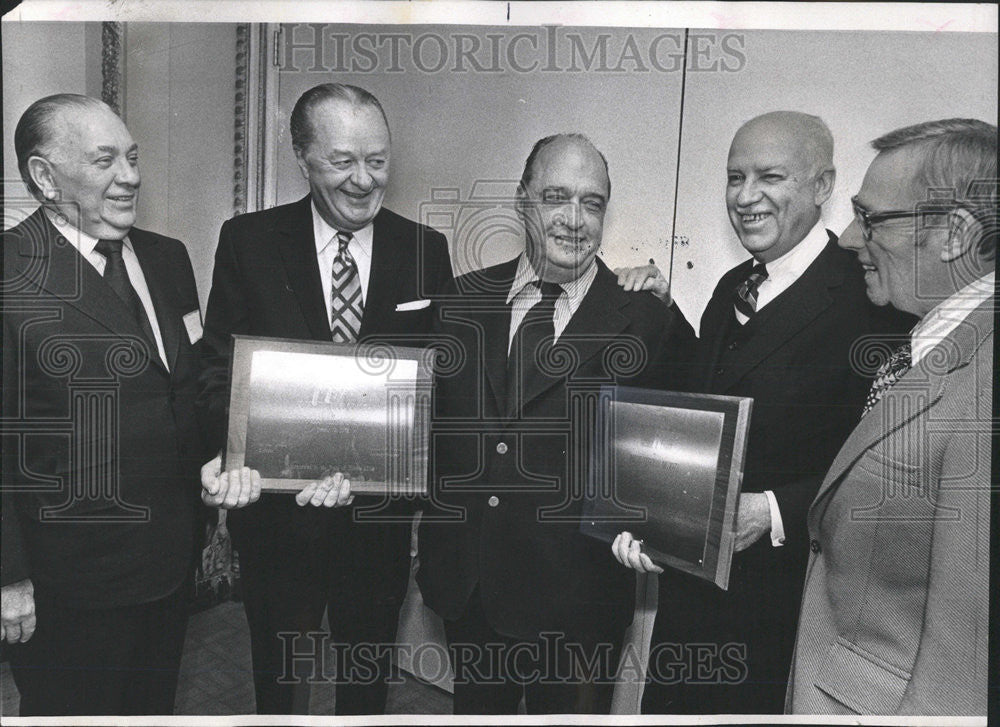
{"points": [[215, 674]]}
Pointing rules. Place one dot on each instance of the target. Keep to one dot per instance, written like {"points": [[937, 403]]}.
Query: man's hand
{"points": [[236, 488], [628, 551], [646, 277], [333, 491], [17, 611], [753, 521]]}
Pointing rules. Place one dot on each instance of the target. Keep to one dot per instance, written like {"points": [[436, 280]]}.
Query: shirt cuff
{"points": [[777, 526]]}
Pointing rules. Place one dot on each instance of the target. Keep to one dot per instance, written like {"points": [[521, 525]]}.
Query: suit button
{"points": [[732, 346], [814, 546], [720, 372], [502, 448], [493, 501]]}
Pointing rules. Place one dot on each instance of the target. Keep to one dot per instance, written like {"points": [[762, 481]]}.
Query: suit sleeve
{"points": [[14, 565], [671, 353], [439, 261], [225, 315]]}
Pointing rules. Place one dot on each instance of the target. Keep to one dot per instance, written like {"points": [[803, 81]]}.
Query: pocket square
{"points": [[192, 321], [413, 305]]}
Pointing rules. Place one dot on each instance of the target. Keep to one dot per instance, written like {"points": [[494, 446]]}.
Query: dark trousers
{"points": [[284, 594], [554, 674], [110, 661], [369, 570], [719, 653], [287, 586]]}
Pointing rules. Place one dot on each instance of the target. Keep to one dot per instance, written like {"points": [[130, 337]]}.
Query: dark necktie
{"points": [[116, 276], [888, 374], [746, 292], [532, 339], [346, 307]]}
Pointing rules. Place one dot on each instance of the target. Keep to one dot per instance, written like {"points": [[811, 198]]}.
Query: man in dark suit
{"points": [[334, 266], [782, 328], [100, 442], [531, 606]]}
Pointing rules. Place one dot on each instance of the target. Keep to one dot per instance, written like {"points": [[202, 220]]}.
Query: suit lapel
{"points": [[59, 269], [297, 249], [157, 274], [388, 252], [919, 389], [595, 324], [716, 323], [783, 318]]}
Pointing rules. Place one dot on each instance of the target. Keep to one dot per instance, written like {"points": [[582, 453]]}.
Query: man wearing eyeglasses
{"points": [[895, 610], [781, 328]]}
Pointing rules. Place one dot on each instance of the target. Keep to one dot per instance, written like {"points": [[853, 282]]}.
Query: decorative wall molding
{"points": [[254, 181], [113, 66]]}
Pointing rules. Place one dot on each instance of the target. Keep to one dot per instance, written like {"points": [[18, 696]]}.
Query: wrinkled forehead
{"points": [[571, 164], [766, 145], [89, 129], [892, 180]]}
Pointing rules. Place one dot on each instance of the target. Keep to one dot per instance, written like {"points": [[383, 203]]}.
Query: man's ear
{"points": [[40, 171], [300, 159], [964, 233], [824, 185], [519, 197]]}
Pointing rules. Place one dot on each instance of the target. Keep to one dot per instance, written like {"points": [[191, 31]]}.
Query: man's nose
{"points": [[127, 173], [748, 193], [851, 238], [361, 177]]}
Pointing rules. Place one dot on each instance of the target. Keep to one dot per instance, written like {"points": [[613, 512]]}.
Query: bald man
{"points": [[780, 328]]}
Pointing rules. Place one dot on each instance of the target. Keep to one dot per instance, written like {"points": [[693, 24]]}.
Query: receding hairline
{"points": [[572, 138], [810, 132]]}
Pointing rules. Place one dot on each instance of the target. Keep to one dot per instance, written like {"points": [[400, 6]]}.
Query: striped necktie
{"points": [[746, 293], [888, 374], [346, 307]]}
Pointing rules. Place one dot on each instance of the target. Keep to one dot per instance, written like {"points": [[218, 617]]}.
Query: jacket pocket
{"points": [[862, 681]]}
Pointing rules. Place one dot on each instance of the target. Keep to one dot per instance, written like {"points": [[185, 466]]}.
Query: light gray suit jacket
{"points": [[894, 616]]}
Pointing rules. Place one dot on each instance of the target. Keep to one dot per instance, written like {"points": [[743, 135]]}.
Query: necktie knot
{"points": [[343, 240], [109, 248], [746, 292], [550, 291]]}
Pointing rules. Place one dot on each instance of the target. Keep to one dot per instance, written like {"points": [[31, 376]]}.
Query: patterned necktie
{"points": [[346, 307], [888, 374], [535, 334], [746, 293], [116, 276]]}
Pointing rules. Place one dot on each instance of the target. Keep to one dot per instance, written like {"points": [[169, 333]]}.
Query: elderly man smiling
{"points": [[778, 328]]}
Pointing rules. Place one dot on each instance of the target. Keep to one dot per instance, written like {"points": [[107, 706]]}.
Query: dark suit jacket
{"points": [[536, 571], [794, 357], [267, 283], [86, 406]]}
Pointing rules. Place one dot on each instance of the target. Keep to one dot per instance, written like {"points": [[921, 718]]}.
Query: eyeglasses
{"points": [[866, 219]]}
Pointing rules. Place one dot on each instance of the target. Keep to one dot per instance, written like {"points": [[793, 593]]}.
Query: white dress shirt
{"points": [[947, 315], [788, 268], [525, 295], [781, 273], [327, 246], [85, 245]]}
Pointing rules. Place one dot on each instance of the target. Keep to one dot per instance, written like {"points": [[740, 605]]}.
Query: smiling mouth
{"points": [[121, 197], [570, 240], [357, 195], [868, 267], [752, 219]]}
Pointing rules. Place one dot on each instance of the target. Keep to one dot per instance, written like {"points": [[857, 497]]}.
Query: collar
{"points": [[947, 315], [794, 262], [79, 239], [324, 234], [575, 289]]}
